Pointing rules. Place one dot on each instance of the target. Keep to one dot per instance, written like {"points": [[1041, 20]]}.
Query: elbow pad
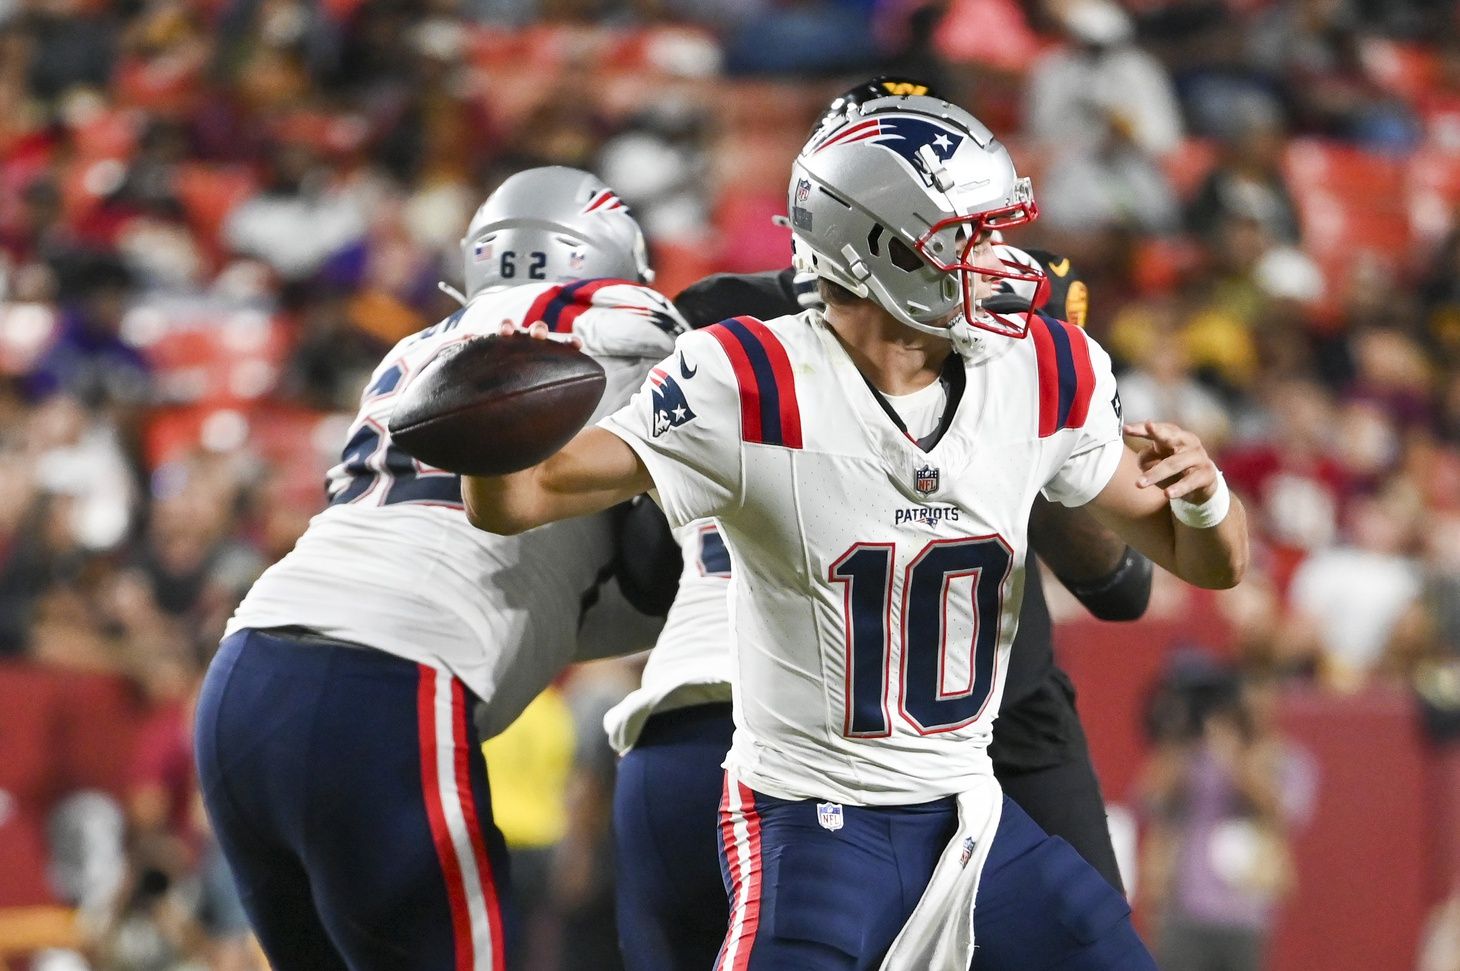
{"points": [[1122, 594]]}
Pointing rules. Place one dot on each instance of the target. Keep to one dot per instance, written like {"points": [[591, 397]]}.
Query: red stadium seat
{"points": [[208, 194], [1433, 194], [1188, 164], [1404, 69], [1350, 202], [232, 360], [990, 34]]}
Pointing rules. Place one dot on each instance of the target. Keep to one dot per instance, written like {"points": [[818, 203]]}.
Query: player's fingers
{"points": [[1173, 437], [1138, 430], [1199, 479], [1169, 466], [539, 330], [506, 328]]}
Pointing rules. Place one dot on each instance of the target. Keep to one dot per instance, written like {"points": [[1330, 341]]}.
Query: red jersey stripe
{"points": [[745, 379], [1049, 381], [790, 407]]}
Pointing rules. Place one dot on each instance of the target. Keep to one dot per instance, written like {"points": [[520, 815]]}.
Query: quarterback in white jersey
{"points": [[878, 575], [336, 746]]}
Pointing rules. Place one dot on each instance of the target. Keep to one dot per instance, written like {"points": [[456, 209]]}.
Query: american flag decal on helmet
{"points": [[604, 201]]}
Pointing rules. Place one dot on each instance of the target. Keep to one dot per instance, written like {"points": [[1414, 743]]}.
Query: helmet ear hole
{"points": [[874, 239], [903, 257]]}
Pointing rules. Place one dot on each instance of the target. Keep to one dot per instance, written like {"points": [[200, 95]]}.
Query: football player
{"points": [[335, 742], [674, 730], [872, 469]]}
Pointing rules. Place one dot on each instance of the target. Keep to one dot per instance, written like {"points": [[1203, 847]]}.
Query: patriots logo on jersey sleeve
{"points": [[671, 408], [906, 137]]}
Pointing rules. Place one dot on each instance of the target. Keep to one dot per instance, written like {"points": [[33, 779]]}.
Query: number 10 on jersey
{"points": [[924, 697]]}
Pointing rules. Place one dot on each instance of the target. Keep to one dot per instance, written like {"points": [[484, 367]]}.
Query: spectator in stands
{"points": [[1222, 795], [1347, 601], [1248, 179], [1161, 385], [298, 219], [1311, 48], [1288, 474], [1100, 81], [88, 357]]}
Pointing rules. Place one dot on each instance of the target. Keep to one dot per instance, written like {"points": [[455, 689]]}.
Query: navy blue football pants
{"points": [[671, 898], [849, 892], [350, 797]]}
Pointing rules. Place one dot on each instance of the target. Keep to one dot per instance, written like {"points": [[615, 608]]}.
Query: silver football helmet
{"points": [[897, 202], [552, 224]]}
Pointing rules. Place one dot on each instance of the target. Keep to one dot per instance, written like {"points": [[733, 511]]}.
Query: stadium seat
{"points": [[1188, 164], [235, 359], [989, 34], [1407, 70], [1350, 202], [1432, 194], [208, 194]]}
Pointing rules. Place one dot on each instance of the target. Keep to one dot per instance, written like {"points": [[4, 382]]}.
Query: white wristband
{"points": [[1204, 515]]}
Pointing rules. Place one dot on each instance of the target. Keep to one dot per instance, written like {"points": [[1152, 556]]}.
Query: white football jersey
{"points": [[876, 585], [392, 562], [690, 662]]}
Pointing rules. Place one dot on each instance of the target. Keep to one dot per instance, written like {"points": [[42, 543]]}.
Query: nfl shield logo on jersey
{"points": [[925, 480], [967, 854], [829, 815], [671, 408]]}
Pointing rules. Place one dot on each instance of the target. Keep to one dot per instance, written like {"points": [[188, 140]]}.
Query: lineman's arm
{"points": [[1107, 576], [594, 471], [1136, 504]]}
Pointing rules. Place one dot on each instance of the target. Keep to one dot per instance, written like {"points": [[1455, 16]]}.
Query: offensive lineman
{"points": [[879, 562], [335, 743], [673, 731]]}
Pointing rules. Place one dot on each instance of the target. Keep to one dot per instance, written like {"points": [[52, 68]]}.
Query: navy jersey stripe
{"points": [[771, 430], [562, 301], [1065, 361]]}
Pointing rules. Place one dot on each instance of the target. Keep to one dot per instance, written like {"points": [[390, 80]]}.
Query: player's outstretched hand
{"points": [[1176, 463], [539, 331]]}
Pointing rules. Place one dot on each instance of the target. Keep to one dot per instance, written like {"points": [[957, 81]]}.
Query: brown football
{"points": [[494, 405]]}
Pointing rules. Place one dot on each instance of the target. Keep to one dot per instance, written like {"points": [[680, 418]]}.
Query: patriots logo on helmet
{"points": [[604, 201], [671, 408], [904, 136]]}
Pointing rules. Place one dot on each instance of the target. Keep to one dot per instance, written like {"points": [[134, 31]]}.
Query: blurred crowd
{"points": [[216, 215]]}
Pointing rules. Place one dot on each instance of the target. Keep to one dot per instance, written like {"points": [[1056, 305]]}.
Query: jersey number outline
{"points": [[370, 457], [406, 479], [924, 700]]}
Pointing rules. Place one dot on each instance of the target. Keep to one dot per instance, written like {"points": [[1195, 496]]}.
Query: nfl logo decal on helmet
{"points": [[925, 480], [829, 815], [671, 408]]}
